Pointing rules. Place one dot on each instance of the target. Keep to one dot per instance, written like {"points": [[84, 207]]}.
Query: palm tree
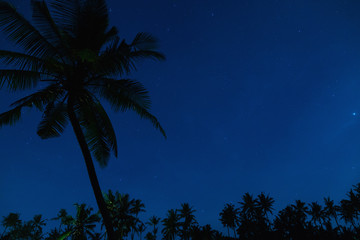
{"points": [[83, 224], [264, 204], [187, 213], [137, 207], [229, 217], [154, 221], [317, 214], [301, 211], [37, 226], [12, 221], [65, 219], [171, 225], [348, 212], [120, 207], [331, 210], [140, 228], [248, 207], [73, 50]]}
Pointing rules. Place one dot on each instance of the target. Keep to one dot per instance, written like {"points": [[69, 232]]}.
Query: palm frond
{"points": [[144, 41], [21, 61], [123, 94], [126, 95], [121, 58], [20, 30], [110, 35], [38, 100], [54, 121], [41, 98], [19, 79], [146, 54], [98, 130], [65, 14], [10, 117], [46, 24], [143, 113], [106, 125], [114, 59], [85, 21]]}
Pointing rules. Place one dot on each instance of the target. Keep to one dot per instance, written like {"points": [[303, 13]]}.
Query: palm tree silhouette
{"points": [[248, 207], [348, 212], [73, 50], [11, 221], [301, 211], [264, 204], [187, 214], [83, 224], [120, 207], [154, 221], [37, 225], [140, 228], [317, 214], [137, 207], [229, 217], [171, 225], [331, 211]]}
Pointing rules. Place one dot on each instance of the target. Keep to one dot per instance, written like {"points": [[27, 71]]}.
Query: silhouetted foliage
{"points": [[253, 219]]}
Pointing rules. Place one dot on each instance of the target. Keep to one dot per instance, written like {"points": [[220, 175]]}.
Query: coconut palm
{"points": [[317, 214], [229, 217], [264, 204], [37, 225], [153, 221], [140, 228], [136, 208], [79, 60], [83, 224], [301, 211], [187, 214], [348, 212], [171, 225], [120, 208], [11, 221], [249, 209], [331, 210]]}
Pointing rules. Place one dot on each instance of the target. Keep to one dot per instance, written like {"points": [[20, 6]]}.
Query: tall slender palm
{"points": [[73, 50], [11, 221], [120, 209], [171, 225], [229, 217], [264, 204], [301, 211], [348, 212], [154, 221], [137, 207], [248, 207], [331, 210], [187, 214], [37, 225], [317, 214], [83, 224], [140, 228]]}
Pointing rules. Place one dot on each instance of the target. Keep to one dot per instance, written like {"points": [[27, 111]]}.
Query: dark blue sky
{"points": [[255, 96]]}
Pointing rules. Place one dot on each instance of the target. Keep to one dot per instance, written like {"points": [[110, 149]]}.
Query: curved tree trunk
{"points": [[91, 170]]}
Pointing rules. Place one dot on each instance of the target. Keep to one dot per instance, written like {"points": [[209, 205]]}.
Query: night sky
{"points": [[255, 96]]}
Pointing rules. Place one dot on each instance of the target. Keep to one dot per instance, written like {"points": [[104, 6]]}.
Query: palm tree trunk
{"points": [[91, 170]]}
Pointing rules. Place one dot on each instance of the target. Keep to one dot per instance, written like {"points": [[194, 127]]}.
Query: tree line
{"points": [[252, 218]]}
